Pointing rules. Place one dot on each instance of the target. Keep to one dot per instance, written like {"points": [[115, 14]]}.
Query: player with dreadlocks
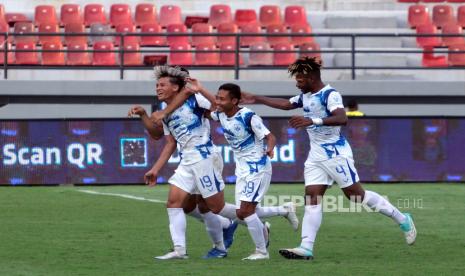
{"points": [[330, 157]]}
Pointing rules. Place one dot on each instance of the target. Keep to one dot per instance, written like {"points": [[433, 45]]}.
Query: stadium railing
{"points": [[237, 67]]}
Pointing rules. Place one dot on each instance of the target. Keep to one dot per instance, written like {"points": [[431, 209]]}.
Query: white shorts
{"points": [[253, 187], [203, 177], [338, 169]]}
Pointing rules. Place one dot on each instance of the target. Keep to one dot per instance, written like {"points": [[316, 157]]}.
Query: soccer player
{"points": [[245, 132], [199, 170], [330, 157]]}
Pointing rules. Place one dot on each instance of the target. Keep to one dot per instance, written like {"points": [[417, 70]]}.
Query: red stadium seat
{"points": [[456, 1], [258, 58], [433, 1], [120, 14], [49, 28], [408, 1], [78, 58], [227, 28], [45, 14], [53, 58], [425, 41], [229, 59], [71, 13], [220, 14], [457, 59], [251, 29], [443, 15], [177, 28], [181, 58], [270, 15], [452, 40], [295, 15], [94, 13], [430, 60], [202, 28], [26, 58], [281, 58], [418, 15], [145, 14], [301, 29], [11, 57], [461, 16], [2, 13], [75, 28], [126, 28], [152, 40], [12, 18], [103, 54], [132, 58], [169, 15], [310, 47], [277, 29], [24, 27], [211, 59], [245, 17]]}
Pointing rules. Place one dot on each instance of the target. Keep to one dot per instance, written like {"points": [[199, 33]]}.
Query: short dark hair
{"points": [[306, 65], [234, 90]]}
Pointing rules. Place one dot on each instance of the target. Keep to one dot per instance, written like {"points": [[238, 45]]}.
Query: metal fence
{"points": [[237, 67]]}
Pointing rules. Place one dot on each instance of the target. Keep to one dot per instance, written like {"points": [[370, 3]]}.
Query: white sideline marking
{"points": [[122, 195]]}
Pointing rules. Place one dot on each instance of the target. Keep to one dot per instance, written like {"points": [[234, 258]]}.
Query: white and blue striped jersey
{"points": [[326, 142], [191, 130], [245, 132]]}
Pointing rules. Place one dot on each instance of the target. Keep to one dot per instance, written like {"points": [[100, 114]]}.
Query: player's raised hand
{"points": [[136, 110], [150, 178], [300, 121], [193, 85], [157, 117], [247, 98]]}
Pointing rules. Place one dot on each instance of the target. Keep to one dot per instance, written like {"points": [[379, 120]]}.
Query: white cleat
{"points": [[291, 215], [173, 255], [257, 255], [408, 227]]}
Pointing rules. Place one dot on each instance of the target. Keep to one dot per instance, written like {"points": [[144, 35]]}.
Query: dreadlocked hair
{"points": [[176, 74], [305, 65]]}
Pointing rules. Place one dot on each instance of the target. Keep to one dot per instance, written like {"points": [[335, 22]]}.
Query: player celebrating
{"points": [[245, 132], [330, 157], [197, 173]]}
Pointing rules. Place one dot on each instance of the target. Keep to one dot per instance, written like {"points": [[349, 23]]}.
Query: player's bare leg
{"points": [[310, 223], [177, 219], [356, 193]]}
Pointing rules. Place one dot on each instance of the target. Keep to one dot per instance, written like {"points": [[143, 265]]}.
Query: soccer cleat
{"points": [[297, 253], [215, 253], [257, 255], [174, 254], [228, 234], [409, 229], [291, 215], [266, 233]]}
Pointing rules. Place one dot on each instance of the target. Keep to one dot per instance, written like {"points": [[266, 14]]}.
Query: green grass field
{"points": [[60, 231]]}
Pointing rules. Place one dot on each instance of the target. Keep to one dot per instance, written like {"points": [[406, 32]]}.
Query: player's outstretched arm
{"points": [[170, 146], [284, 104], [155, 130], [270, 144]]}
